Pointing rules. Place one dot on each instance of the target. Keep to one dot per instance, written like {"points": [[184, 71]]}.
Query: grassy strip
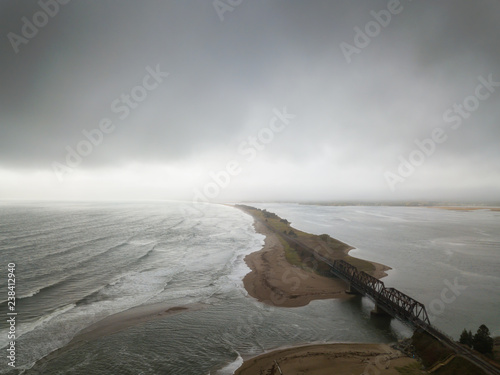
{"points": [[302, 259], [291, 255], [412, 369], [360, 264], [459, 366], [431, 351]]}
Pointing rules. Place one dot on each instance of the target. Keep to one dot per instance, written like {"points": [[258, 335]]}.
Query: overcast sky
{"points": [[335, 95]]}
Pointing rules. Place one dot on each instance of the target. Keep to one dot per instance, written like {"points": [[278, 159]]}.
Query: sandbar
{"points": [[277, 282], [327, 359]]}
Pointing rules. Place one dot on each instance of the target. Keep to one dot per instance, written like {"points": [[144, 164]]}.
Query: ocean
{"points": [[77, 263]]}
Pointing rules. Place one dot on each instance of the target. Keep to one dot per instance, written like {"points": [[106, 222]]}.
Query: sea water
{"points": [[77, 263]]}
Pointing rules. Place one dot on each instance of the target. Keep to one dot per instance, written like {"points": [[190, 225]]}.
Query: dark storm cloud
{"points": [[226, 77]]}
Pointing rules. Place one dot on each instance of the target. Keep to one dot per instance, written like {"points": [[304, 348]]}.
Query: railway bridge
{"points": [[387, 300], [393, 303]]}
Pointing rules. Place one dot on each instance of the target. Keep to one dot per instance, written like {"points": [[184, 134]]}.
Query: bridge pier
{"points": [[351, 290], [377, 311]]}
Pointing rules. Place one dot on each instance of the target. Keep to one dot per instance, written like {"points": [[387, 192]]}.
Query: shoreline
{"points": [[272, 280], [323, 359], [466, 208], [117, 322], [275, 281], [129, 318]]}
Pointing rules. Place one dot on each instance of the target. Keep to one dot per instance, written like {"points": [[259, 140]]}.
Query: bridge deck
{"points": [[394, 302]]}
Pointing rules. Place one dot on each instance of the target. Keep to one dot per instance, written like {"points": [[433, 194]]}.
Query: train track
{"points": [[395, 303]]}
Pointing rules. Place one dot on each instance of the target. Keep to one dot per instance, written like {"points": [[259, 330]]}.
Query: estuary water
{"points": [[77, 263], [449, 260]]}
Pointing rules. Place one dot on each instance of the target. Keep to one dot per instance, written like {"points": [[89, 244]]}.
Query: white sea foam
{"points": [[30, 294], [202, 260], [24, 328], [230, 368]]}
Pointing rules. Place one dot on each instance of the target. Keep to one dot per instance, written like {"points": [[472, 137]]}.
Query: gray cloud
{"points": [[226, 77]]}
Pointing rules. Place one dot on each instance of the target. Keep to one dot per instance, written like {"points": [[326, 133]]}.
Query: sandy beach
{"points": [[275, 281], [119, 322], [129, 318], [327, 359], [464, 208]]}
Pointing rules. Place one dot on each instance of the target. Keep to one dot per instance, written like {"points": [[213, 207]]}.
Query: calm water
{"points": [[80, 262], [427, 248]]}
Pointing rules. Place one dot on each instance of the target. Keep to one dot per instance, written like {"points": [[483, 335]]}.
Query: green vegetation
{"points": [[429, 349], [337, 249], [274, 221], [459, 366], [325, 237], [482, 341], [432, 352], [466, 338], [412, 369], [297, 254], [360, 264], [496, 349], [291, 254]]}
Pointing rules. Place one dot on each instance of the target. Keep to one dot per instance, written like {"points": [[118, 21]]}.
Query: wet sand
{"points": [[119, 322], [327, 359], [273, 280], [129, 318], [276, 282]]}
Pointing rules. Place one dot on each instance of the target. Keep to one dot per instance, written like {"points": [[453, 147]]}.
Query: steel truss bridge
{"points": [[389, 300], [392, 302]]}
